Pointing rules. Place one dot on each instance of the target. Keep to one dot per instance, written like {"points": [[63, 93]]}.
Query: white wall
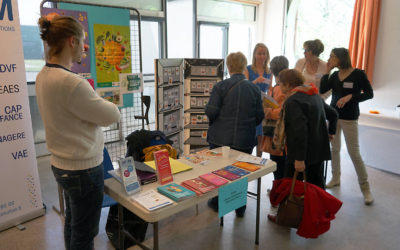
{"points": [[269, 29], [386, 79]]}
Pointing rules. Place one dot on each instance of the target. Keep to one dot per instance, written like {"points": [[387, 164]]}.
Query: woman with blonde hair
{"points": [[73, 115], [260, 74], [233, 111]]}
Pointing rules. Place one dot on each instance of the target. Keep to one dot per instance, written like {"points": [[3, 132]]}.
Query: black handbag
{"points": [[269, 127], [136, 226], [290, 211]]}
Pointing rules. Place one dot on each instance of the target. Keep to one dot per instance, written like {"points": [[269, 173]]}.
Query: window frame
{"points": [[225, 38]]}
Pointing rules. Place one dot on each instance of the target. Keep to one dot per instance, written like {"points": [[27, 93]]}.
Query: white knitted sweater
{"points": [[72, 113]]}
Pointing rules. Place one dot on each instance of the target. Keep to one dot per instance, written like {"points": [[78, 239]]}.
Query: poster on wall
{"points": [[111, 94], [82, 68], [20, 194], [131, 83], [113, 52]]}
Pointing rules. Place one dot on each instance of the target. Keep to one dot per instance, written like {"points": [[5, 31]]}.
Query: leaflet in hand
{"points": [[268, 101]]}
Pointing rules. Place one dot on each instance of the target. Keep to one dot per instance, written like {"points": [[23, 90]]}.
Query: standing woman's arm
{"points": [[365, 85], [326, 84]]}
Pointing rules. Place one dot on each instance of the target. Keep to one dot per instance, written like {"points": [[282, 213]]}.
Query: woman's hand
{"points": [[262, 79], [342, 101], [329, 68], [300, 166]]}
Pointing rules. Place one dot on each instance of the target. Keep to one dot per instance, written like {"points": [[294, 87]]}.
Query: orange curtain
{"points": [[364, 34]]}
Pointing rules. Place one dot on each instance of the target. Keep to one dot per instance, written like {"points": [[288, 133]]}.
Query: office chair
{"points": [[107, 163]]}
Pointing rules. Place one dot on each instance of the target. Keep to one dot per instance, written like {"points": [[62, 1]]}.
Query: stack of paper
{"points": [[198, 185], [152, 200], [176, 166], [252, 159], [226, 174], [245, 165], [236, 170], [214, 179], [176, 192]]}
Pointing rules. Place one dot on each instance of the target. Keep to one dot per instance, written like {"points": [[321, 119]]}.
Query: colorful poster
{"points": [[82, 68], [112, 94], [113, 51], [131, 83], [20, 195]]}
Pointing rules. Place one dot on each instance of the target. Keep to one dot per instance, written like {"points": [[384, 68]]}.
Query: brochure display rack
{"points": [[200, 77], [182, 91], [169, 99]]}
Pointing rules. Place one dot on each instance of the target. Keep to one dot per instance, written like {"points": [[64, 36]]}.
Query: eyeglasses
{"points": [[306, 50]]}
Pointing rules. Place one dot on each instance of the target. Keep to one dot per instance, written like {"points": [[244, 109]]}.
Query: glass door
{"points": [[213, 40]]}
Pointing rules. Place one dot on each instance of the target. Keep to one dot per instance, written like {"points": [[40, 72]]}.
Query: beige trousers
{"points": [[350, 132]]}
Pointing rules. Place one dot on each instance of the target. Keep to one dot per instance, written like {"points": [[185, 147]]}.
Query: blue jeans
{"points": [[83, 193]]}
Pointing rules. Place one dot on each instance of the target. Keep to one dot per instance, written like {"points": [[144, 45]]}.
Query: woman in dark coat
{"points": [[234, 111], [307, 134]]}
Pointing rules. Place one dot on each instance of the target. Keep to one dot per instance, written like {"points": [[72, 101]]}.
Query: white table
{"points": [[380, 139], [114, 189]]}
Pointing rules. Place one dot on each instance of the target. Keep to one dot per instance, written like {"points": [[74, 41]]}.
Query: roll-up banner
{"points": [[20, 195]]}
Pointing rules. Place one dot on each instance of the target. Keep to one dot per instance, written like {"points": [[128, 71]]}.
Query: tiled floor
{"points": [[356, 227]]}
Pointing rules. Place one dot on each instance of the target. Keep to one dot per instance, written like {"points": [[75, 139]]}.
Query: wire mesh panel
{"points": [[115, 134], [135, 46]]}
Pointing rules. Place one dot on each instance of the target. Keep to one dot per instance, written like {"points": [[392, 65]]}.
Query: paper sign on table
{"points": [[232, 196]]}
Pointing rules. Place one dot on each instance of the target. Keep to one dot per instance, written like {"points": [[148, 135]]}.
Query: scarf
{"points": [[279, 138]]}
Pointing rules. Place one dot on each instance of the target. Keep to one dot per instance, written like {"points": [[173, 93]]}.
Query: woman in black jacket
{"points": [[234, 110], [349, 87], [307, 134]]}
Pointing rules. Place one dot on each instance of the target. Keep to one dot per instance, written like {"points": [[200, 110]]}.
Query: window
{"points": [[213, 40], [226, 10], [150, 5], [329, 21], [151, 49], [31, 41], [151, 46], [180, 26], [241, 38], [225, 27]]}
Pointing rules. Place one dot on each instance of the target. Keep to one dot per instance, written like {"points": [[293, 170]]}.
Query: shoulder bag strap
{"points": [[294, 181], [232, 87]]}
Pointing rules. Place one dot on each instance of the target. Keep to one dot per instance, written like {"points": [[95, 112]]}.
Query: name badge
{"points": [[348, 85]]}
